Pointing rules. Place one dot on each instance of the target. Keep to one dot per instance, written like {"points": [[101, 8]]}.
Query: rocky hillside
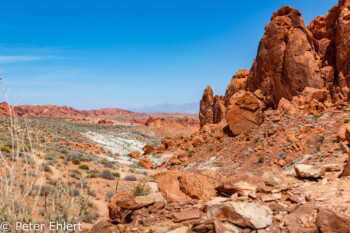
{"points": [[296, 68], [272, 155]]}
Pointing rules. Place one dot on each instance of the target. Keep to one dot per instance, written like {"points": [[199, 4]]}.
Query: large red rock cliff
{"points": [[296, 68]]}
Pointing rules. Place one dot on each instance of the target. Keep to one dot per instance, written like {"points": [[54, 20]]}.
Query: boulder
{"points": [[180, 230], [217, 130], [238, 83], [168, 142], [186, 215], [148, 149], [169, 185], [134, 154], [341, 133], [302, 219], [253, 215], [149, 199], [242, 184], [200, 185], [206, 115], [244, 112], [103, 226], [287, 107], [225, 227], [146, 163], [285, 63], [332, 222], [273, 177], [309, 171], [156, 207], [122, 203]]}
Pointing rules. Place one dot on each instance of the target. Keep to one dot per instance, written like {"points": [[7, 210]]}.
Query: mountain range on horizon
{"points": [[69, 112]]}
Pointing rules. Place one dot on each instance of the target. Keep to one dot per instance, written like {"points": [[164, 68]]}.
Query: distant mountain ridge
{"points": [[63, 111], [188, 108]]}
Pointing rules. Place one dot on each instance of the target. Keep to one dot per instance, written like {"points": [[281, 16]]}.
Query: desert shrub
{"points": [[51, 182], [90, 216], [45, 167], [109, 195], [49, 157], [64, 151], [106, 174], [142, 189], [318, 147], [42, 191], [91, 175], [74, 192], [76, 174], [130, 178], [91, 192], [346, 121], [76, 161], [84, 167], [76, 171], [107, 164], [6, 149], [116, 174], [261, 159]]}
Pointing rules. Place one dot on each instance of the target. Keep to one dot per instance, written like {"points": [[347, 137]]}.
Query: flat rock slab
{"points": [[185, 215]]}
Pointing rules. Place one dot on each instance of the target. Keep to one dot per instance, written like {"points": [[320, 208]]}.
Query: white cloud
{"points": [[22, 58]]}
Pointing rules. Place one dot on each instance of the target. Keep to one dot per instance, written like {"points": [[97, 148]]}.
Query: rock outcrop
{"points": [[238, 83], [297, 68], [244, 112], [206, 115], [285, 62]]}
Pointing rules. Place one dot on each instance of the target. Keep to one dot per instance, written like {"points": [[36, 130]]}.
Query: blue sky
{"points": [[131, 53]]}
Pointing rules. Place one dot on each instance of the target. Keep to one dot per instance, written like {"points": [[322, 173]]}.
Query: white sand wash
{"points": [[115, 144]]}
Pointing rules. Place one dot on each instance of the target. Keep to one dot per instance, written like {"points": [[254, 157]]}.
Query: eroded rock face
{"points": [[206, 115], [332, 43], [238, 83], [219, 109], [244, 112], [6, 111], [285, 63]]}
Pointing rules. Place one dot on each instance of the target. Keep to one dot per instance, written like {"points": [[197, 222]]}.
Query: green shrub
{"points": [[116, 174], [6, 149], [261, 159], [91, 192], [142, 189], [91, 175], [76, 171], [84, 167], [106, 174], [76, 161], [346, 121], [89, 216]]}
